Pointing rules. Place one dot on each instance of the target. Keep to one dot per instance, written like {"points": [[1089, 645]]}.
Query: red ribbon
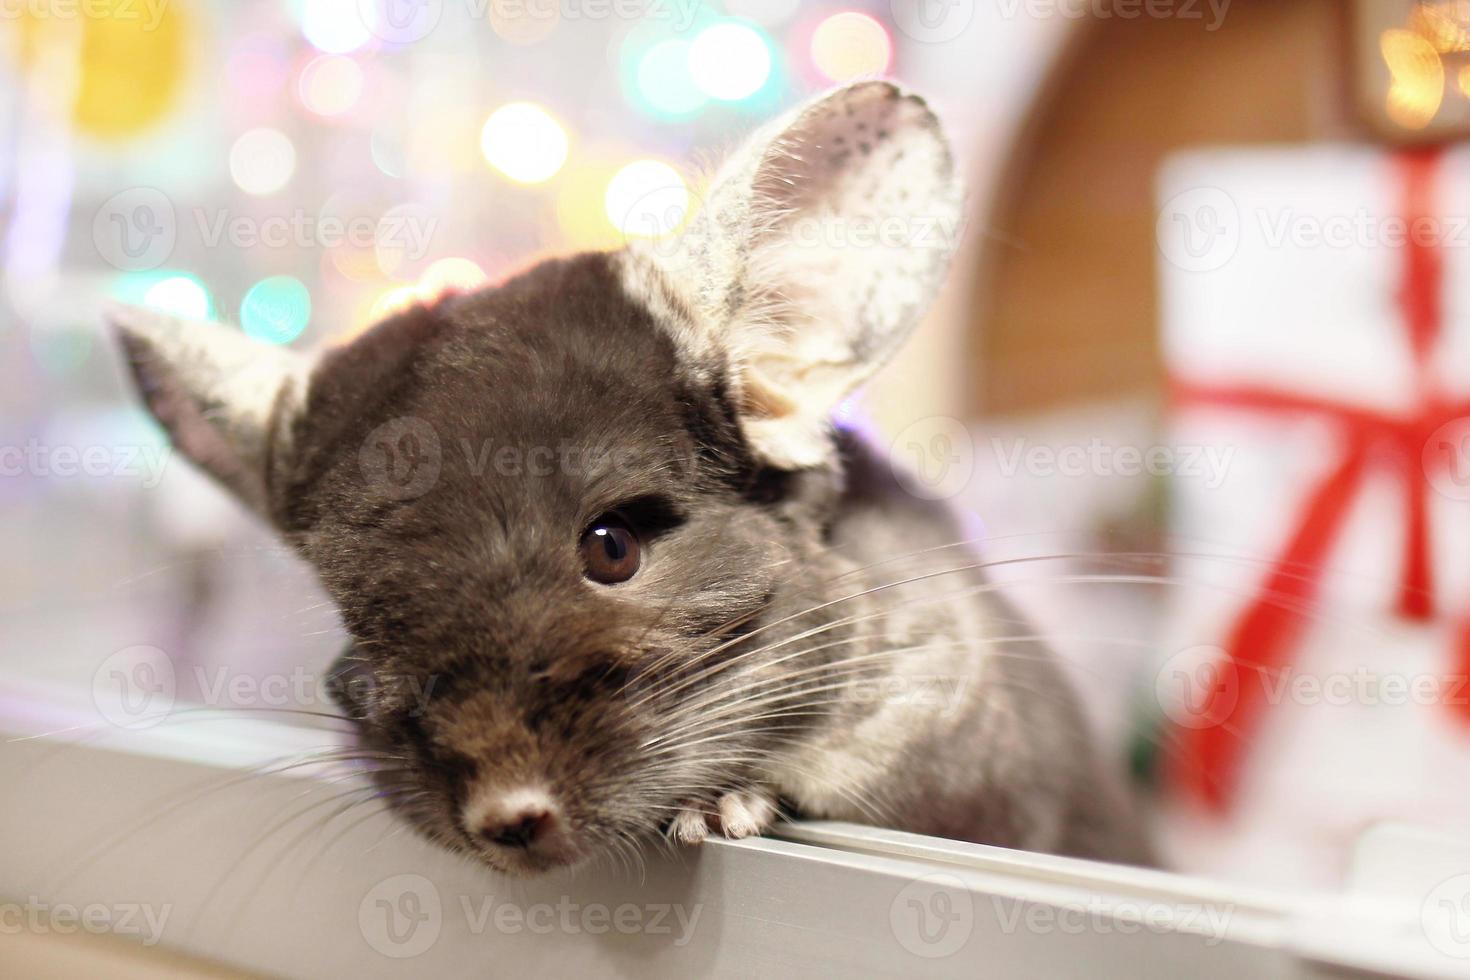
{"points": [[1207, 755]]}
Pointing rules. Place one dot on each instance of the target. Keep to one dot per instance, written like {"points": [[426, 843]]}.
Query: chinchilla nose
{"points": [[517, 819]]}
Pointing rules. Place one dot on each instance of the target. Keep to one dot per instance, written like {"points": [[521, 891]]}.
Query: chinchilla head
{"points": [[554, 512]]}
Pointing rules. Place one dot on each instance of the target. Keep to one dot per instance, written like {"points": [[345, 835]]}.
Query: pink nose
{"points": [[520, 829]]}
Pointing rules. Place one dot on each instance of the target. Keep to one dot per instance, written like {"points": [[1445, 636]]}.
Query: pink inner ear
{"points": [[186, 420]]}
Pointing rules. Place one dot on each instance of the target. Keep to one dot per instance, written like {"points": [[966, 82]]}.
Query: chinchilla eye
{"points": [[610, 550]]}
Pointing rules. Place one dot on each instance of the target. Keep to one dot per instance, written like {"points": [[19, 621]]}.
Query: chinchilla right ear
{"points": [[820, 245]]}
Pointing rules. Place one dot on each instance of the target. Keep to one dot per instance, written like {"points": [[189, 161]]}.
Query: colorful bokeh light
{"points": [[851, 45], [646, 199], [335, 26], [262, 160], [524, 142], [276, 310], [729, 61], [330, 85], [664, 80], [182, 295]]}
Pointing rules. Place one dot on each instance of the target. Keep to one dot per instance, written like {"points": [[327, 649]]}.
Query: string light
{"points": [[182, 295], [330, 85], [335, 26], [524, 142], [729, 61], [262, 160], [647, 198], [850, 45], [276, 310], [664, 80]]}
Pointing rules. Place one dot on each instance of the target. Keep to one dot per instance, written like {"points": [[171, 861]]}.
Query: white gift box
{"points": [[1294, 282]]}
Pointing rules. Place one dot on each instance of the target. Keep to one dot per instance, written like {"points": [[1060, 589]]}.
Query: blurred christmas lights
{"points": [[335, 26], [729, 61], [647, 199], [330, 85], [182, 295], [850, 45], [262, 161], [665, 81], [276, 310], [524, 142]]}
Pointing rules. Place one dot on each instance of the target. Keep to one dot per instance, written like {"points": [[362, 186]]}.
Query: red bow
{"points": [[1208, 753]]}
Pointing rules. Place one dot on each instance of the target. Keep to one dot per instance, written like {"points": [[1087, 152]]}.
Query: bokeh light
{"points": [[276, 310], [451, 275], [182, 295], [393, 300], [664, 80], [335, 26], [262, 160], [524, 142], [729, 61], [850, 45], [330, 85], [647, 199]]}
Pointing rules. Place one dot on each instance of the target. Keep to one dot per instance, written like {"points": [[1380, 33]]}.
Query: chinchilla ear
{"points": [[228, 402], [820, 245]]}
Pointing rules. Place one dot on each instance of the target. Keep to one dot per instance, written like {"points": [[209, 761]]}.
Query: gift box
{"points": [[1315, 305]]}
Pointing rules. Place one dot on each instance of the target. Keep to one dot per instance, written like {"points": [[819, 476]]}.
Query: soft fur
{"points": [[804, 635]]}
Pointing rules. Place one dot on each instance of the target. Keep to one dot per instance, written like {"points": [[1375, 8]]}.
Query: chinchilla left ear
{"points": [[820, 245], [228, 402]]}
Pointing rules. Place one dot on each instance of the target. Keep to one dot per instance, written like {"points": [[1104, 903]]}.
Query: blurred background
{"points": [[1140, 177]]}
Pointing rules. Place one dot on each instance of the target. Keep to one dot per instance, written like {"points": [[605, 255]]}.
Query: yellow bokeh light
{"points": [[646, 199], [524, 142], [581, 213], [850, 45], [452, 275], [1417, 86], [132, 60]]}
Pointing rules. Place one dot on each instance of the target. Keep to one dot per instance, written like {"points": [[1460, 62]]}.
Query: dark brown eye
{"points": [[610, 551]]}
